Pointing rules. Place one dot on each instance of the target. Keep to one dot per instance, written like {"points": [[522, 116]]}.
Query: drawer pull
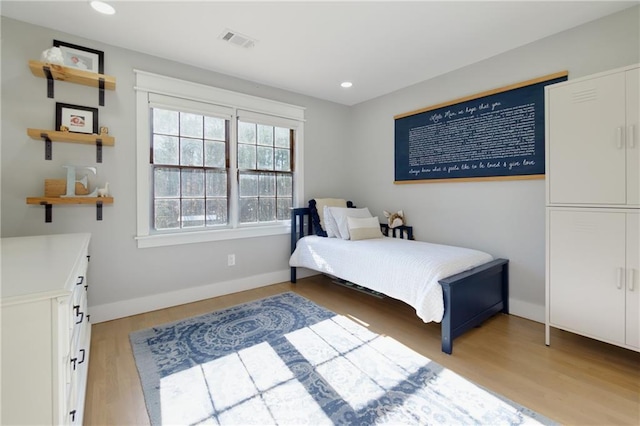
{"points": [[84, 353], [88, 258], [88, 316], [73, 362], [86, 287], [73, 415], [80, 280], [78, 314]]}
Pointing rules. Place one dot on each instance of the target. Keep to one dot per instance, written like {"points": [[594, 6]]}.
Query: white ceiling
{"points": [[310, 47]]}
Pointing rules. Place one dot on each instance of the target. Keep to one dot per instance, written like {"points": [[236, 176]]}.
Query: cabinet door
{"points": [[633, 280], [587, 261], [587, 161], [633, 137]]}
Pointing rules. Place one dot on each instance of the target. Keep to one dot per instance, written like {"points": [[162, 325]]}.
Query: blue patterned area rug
{"points": [[285, 360]]}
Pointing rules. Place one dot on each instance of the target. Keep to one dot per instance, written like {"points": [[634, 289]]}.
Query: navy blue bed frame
{"points": [[470, 297]]}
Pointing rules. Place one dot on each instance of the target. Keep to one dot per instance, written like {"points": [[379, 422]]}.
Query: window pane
{"points": [[216, 183], [214, 154], [246, 156], [265, 158], [166, 182], [191, 152], [267, 185], [248, 210], [246, 132], [166, 214], [267, 212], [285, 185], [191, 125], [165, 149], [215, 128], [283, 161], [284, 208], [265, 135], [283, 137], [193, 183], [216, 211], [192, 212], [248, 185], [165, 122]]}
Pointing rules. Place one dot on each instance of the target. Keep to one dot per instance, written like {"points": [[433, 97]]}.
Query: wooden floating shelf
{"points": [[72, 75], [69, 200], [89, 139]]}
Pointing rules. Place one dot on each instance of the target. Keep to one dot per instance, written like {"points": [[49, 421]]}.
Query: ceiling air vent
{"points": [[238, 39]]}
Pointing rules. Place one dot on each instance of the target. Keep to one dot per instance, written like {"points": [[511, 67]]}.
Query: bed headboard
{"points": [[305, 221]]}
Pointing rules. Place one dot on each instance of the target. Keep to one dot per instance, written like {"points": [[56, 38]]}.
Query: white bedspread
{"points": [[402, 269]]}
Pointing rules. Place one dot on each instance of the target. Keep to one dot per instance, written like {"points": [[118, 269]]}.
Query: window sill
{"points": [[160, 240]]}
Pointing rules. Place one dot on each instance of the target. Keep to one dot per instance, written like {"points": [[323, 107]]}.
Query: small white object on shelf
{"points": [[104, 192], [52, 55]]}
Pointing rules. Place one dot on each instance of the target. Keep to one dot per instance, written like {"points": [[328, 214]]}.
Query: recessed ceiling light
{"points": [[103, 7], [346, 84]]}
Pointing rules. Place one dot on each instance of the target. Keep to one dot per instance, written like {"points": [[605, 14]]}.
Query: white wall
{"points": [[504, 218], [155, 277], [348, 153]]}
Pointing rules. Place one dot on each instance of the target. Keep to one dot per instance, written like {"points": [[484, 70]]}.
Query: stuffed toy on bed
{"points": [[395, 219]]}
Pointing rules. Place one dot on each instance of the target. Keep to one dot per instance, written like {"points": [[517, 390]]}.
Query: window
{"points": [[218, 164], [190, 161], [265, 172]]}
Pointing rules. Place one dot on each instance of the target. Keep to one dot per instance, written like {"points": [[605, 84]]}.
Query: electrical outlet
{"points": [[231, 260]]}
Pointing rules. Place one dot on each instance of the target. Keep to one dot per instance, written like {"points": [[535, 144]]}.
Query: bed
{"points": [[456, 286]]}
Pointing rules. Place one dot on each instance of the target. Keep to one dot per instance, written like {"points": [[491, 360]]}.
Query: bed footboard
{"points": [[473, 296]]}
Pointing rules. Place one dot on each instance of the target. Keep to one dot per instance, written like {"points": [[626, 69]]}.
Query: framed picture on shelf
{"points": [[82, 58], [76, 118]]}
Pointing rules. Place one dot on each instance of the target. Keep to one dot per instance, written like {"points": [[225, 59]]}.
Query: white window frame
{"points": [[234, 104]]}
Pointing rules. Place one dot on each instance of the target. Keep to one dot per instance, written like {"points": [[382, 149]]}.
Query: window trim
{"points": [[149, 83]]}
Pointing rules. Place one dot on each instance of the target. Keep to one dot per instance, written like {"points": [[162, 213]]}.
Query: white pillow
{"points": [[321, 202], [340, 215], [365, 228], [330, 225]]}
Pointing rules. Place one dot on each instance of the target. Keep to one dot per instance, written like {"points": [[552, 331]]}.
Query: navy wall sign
{"points": [[498, 134]]}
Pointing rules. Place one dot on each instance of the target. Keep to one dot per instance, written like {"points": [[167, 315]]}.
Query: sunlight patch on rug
{"points": [[285, 360]]}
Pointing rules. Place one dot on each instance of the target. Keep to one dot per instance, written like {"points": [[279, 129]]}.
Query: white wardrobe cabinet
{"points": [[45, 329], [593, 207], [593, 143], [593, 274]]}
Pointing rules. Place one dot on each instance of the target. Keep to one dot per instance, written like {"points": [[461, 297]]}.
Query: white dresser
{"points": [[45, 329], [593, 206]]}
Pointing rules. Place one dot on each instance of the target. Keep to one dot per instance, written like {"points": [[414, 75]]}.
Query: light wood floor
{"points": [[575, 381]]}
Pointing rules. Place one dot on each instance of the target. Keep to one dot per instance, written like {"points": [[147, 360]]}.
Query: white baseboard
{"points": [[125, 308], [140, 305], [526, 310]]}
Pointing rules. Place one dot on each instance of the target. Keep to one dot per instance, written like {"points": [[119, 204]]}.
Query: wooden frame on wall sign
{"points": [[493, 135]]}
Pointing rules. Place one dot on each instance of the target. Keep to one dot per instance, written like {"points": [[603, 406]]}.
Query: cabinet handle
{"points": [[631, 278], [83, 356], [73, 415], [80, 280], [630, 136], [73, 362], [620, 277], [620, 137]]}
